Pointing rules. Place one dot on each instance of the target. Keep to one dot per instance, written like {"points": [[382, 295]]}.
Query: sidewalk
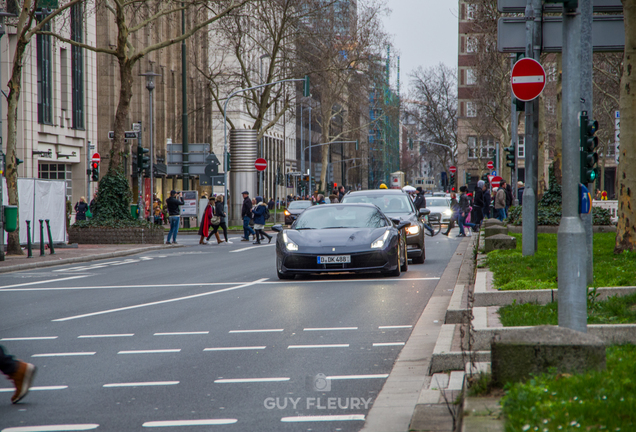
{"points": [[70, 255]]}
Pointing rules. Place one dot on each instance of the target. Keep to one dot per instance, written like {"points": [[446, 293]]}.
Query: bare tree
{"points": [[342, 48], [432, 104], [625, 234], [26, 26]]}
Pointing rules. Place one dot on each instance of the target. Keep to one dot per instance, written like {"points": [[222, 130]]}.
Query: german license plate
{"points": [[334, 259]]}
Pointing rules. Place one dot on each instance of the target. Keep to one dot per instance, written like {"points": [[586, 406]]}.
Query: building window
{"points": [[472, 147], [487, 148], [521, 147], [471, 45], [470, 11], [77, 66], [54, 171], [470, 77], [45, 80], [471, 111]]}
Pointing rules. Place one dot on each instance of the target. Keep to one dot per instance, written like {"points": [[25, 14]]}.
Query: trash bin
{"points": [[134, 211], [10, 218]]}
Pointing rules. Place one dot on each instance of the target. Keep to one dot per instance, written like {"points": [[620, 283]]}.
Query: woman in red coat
{"points": [[205, 223]]}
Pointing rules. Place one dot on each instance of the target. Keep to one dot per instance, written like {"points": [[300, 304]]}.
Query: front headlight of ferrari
{"points": [[413, 229], [290, 245], [379, 242]]}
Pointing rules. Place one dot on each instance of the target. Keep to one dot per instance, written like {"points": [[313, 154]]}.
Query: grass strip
{"points": [[512, 271], [614, 310], [594, 401]]}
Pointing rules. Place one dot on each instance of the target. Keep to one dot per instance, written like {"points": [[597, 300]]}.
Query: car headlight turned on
{"points": [[448, 212], [287, 213], [379, 242], [413, 229], [290, 245]]}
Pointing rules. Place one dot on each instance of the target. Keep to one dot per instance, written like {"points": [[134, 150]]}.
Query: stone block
{"points": [[492, 230], [518, 355], [130, 235], [491, 222], [500, 241]]}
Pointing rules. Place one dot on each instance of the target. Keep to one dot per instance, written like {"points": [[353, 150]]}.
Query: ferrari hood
{"points": [[335, 237]]}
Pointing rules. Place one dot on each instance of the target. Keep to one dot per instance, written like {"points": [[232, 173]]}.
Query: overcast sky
{"points": [[424, 34]]}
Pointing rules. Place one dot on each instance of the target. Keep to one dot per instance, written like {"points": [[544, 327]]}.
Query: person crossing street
{"points": [[246, 214]]}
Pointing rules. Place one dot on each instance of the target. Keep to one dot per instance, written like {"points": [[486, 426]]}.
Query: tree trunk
{"points": [[625, 235], [558, 153], [118, 149], [15, 87]]}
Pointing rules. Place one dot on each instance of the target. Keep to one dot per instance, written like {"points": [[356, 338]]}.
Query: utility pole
{"points": [[184, 116], [571, 235], [533, 17], [514, 139], [587, 92], [140, 177]]}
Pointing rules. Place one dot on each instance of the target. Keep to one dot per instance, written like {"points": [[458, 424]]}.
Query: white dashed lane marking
{"points": [[257, 331], [380, 344], [245, 348], [68, 354], [249, 380], [157, 351], [356, 377], [53, 428], [43, 282], [323, 418], [330, 328], [106, 335], [183, 333], [395, 327], [28, 338], [174, 423], [35, 388], [318, 346], [141, 384]]}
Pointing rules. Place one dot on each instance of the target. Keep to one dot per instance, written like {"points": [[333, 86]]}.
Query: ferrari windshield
{"points": [[389, 203], [339, 216]]}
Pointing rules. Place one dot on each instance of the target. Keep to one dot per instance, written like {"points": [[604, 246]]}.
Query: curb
{"points": [[87, 258]]}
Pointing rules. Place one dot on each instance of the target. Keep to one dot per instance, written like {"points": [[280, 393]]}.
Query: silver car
{"points": [[440, 205]]}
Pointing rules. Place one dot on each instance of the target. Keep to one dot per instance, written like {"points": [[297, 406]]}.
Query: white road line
{"points": [[43, 282], [380, 344], [354, 377], [329, 328], [257, 331], [53, 428], [68, 354], [205, 422], [319, 346], [29, 338], [249, 380], [106, 335], [395, 327], [160, 302], [252, 247], [158, 351], [235, 348], [387, 280], [323, 418], [123, 286], [141, 384], [182, 333], [36, 388]]}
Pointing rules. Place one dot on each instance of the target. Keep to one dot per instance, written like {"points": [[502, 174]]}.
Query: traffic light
{"points": [[510, 157], [228, 163], [306, 86], [452, 182], [589, 145], [143, 161], [485, 178], [94, 171], [469, 178], [358, 143]]}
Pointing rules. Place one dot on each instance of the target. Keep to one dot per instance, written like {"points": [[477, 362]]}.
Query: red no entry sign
{"points": [[452, 169], [260, 164], [528, 79], [95, 157], [490, 165], [495, 181]]}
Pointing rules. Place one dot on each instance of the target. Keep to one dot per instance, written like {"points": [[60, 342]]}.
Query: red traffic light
{"points": [[94, 165]]}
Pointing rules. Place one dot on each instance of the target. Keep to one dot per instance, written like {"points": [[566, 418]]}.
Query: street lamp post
{"points": [[150, 85], [262, 153]]}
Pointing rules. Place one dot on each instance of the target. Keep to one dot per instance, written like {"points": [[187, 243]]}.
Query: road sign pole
{"points": [[587, 91], [514, 139], [571, 235]]}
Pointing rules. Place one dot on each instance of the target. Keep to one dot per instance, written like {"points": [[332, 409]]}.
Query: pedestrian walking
{"points": [[206, 221], [219, 212], [21, 373], [173, 204], [487, 201], [246, 214], [341, 193], [521, 187], [478, 203], [454, 205], [509, 198], [500, 204], [260, 215], [420, 202], [80, 209], [271, 204], [464, 210]]}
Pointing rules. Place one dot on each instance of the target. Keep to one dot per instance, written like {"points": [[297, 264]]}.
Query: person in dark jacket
{"points": [[219, 211], [464, 209], [173, 204], [420, 202], [509, 197], [520, 188], [259, 221], [487, 200], [341, 193], [93, 205], [454, 205], [478, 203], [246, 214], [80, 209]]}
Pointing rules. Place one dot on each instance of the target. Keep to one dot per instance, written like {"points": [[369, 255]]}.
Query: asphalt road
{"points": [[206, 337]]}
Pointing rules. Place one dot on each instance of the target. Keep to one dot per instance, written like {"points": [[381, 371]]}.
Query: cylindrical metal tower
{"points": [[243, 151]]}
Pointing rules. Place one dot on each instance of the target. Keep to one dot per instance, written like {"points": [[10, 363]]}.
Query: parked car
{"points": [[440, 205]]}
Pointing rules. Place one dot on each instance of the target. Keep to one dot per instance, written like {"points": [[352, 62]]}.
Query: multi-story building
{"points": [[57, 110]]}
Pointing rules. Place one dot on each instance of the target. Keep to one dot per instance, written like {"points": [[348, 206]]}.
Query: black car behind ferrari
{"points": [[295, 208], [341, 238], [397, 204]]}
